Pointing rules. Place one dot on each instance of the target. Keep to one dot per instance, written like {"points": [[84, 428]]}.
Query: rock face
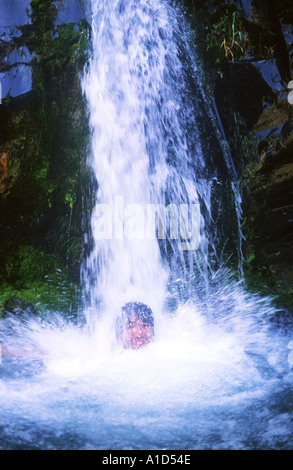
{"points": [[252, 99], [44, 46], [15, 62], [15, 72], [247, 47]]}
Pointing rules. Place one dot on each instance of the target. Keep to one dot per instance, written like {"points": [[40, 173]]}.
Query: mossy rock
{"points": [[44, 137]]}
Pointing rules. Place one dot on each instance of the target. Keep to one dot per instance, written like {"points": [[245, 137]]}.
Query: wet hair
{"points": [[134, 308], [140, 310]]}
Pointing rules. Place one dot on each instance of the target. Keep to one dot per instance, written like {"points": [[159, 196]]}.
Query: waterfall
{"points": [[150, 133], [218, 373]]}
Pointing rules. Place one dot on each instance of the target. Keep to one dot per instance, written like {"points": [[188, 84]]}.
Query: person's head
{"points": [[135, 327]]}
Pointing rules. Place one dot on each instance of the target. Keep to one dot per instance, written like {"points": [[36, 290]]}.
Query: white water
{"points": [[139, 116], [221, 384], [217, 374]]}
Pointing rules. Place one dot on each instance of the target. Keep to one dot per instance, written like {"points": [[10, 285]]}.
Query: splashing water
{"points": [[218, 374]]}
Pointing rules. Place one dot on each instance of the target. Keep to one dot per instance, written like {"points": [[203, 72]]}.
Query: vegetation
{"points": [[243, 47], [223, 33], [260, 276], [219, 29], [43, 142]]}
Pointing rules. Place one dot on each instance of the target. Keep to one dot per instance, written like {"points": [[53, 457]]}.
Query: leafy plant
{"points": [[224, 37], [231, 43]]}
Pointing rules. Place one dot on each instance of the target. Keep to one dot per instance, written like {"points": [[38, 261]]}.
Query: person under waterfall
{"points": [[135, 326]]}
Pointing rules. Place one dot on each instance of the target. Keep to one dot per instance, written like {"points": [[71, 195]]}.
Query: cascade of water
{"points": [[218, 374], [148, 127]]}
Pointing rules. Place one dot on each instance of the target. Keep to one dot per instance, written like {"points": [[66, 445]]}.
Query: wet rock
{"points": [[241, 87], [253, 99], [16, 81], [69, 12], [16, 75], [43, 131], [86, 10], [270, 73], [264, 30], [267, 189], [14, 13]]}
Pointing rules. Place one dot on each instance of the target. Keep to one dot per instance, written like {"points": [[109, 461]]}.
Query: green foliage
{"points": [[7, 98], [262, 280], [247, 226], [44, 13], [46, 140], [223, 40], [55, 293], [72, 44], [24, 264], [69, 199], [217, 29], [37, 279], [251, 257], [261, 277]]}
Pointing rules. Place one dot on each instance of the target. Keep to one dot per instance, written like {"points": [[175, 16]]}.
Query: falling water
{"points": [[146, 151], [218, 373], [124, 73]]}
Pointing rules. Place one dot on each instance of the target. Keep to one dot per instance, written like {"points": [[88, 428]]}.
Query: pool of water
{"points": [[202, 384]]}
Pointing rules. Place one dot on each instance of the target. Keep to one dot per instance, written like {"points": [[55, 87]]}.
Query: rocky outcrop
{"points": [[251, 96], [44, 46], [16, 75]]}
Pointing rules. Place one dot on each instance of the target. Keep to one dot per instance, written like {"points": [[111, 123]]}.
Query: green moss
{"points": [[24, 264], [36, 279], [54, 294], [42, 205], [262, 280], [261, 277]]}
